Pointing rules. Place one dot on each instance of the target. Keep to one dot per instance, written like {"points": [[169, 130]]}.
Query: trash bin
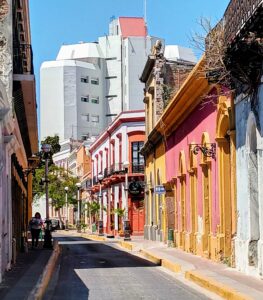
{"points": [[93, 228], [170, 235]]}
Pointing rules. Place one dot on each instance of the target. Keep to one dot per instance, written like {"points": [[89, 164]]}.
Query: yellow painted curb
{"points": [[151, 257], [171, 266], [126, 245], [215, 287], [38, 292], [93, 237]]}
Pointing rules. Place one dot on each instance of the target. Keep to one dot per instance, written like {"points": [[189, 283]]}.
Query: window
{"points": [[95, 119], [94, 81], [111, 58], [84, 79], [137, 158], [111, 77], [85, 98], [85, 117], [95, 100], [111, 96]]}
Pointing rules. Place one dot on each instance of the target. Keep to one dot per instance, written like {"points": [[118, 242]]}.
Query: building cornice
{"points": [[117, 123], [183, 103]]}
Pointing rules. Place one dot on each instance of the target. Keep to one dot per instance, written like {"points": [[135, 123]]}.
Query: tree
{"points": [[58, 178], [54, 142]]}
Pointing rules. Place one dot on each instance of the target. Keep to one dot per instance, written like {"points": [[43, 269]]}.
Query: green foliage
{"points": [[93, 208], [54, 142], [119, 212], [83, 226], [58, 178]]}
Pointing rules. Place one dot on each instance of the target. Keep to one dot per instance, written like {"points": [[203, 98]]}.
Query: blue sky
{"points": [[54, 22]]}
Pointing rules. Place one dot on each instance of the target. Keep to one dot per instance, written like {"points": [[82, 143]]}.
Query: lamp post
{"points": [[66, 190], [126, 223], [46, 148], [100, 177], [78, 185]]}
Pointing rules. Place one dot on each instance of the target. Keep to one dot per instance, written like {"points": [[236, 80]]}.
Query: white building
{"points": [[89, 84], [72, 93]]}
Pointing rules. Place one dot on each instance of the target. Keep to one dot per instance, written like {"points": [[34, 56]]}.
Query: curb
{"points": [[215, 287], [93, 237], [38, 292], [209, 284], [151, 257], [126, 245]]}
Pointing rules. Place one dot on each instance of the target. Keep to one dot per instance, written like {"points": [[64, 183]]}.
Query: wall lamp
{"points": [[208, 150]]}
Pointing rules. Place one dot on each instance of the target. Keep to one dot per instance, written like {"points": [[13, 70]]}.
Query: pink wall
{"points": [[202, 119]]}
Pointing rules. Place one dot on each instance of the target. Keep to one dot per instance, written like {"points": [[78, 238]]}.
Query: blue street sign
{"points": [[159, 189]]}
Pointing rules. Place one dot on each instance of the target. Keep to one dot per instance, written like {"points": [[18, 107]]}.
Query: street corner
{"points": [[216, 287]]}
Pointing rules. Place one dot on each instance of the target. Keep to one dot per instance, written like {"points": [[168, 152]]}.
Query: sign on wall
{"points": [[159, 189]]}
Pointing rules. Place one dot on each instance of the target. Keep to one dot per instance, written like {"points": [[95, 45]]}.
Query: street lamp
{"points": [[126, 223], [100, 177], [66, 190], [46, 148], [78, 185]]}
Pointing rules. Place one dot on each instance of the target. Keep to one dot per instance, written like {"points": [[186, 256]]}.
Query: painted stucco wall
{"points": [[248, 242], [6, 128], [202, 119]]}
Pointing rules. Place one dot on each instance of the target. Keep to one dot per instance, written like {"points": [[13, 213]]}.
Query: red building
{"points": [[118, 173]]}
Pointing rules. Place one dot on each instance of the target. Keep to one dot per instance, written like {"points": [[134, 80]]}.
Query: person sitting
{"points": [[35, 225]]}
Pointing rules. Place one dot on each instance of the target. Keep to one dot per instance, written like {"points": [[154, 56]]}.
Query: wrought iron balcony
{"points": [[242, 15], [137, 168], [119, 169], [116, 168]]}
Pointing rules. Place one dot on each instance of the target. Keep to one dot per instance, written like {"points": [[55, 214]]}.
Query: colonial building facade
{"points": [[190, 152], [163, 75], [18, 129], [116, 158]]}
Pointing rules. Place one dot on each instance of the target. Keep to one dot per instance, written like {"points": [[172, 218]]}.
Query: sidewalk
{"points": [[215, 277], [23, 277]]}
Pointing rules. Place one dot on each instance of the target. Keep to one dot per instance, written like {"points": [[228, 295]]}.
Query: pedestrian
{"points": [[35, 226]]}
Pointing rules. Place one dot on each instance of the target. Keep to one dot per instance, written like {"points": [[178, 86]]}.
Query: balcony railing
{"points": [[23, 58], [137, 168], [238, 14]]}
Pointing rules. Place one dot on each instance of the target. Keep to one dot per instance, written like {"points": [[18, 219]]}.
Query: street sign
{"points": [[159, 189]]}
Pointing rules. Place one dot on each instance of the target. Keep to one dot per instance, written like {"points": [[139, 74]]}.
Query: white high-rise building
{"points": [[89, 84]]}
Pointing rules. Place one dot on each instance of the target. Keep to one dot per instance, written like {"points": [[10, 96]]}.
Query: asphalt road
{"points": [[96, 270]]}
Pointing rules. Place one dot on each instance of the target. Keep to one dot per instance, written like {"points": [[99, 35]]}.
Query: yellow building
{"points": [[190, 152], [162, 78]]}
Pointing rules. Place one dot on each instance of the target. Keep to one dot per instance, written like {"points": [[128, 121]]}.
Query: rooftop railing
{"points": [[238, 14]]}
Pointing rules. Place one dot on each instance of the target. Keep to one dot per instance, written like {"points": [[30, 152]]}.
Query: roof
{"points": [[78, 51], [67, 63], [179, 53], [132, 26]]}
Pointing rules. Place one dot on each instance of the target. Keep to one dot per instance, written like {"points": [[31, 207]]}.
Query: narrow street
{"points": [[96, 270]]}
